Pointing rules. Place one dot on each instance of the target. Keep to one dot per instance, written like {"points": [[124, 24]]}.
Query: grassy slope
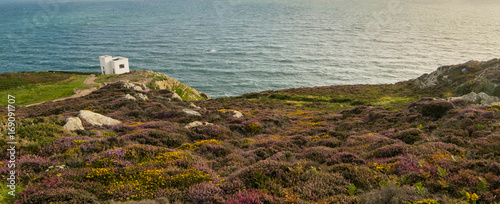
{"points": [[337, 98], [34, 87], [372, 150]]}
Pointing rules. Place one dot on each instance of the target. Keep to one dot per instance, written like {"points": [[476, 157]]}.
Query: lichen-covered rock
{"points": [[73, 123], [141, 96], [191, 112], [97, 119], [487, 99], [196, 124], [480, 99], [472, 97], [434, 78], [129, 97], [237, 114], [128, 85], [192, 105]]}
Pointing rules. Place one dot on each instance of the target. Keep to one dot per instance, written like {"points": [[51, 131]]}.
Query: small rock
{"points": [[141, 96], [97, 119], [138, 88], [191, 112], [129, 97], [465, 71], [73, 124], [196, 124], [163, 98], [176, 97], [237, 114], [193, 106]]}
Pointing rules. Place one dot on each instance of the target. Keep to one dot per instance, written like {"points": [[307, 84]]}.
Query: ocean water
{"points": [[232, 47]]}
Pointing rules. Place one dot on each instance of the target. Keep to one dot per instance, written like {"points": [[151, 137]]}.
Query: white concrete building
{"points": [[114, 65]]}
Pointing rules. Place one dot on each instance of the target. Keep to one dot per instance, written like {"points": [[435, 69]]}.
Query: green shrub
{"points": [[38, 131], [391, 194]]}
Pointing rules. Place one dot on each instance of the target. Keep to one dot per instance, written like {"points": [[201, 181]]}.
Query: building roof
{"points": [[119, 58]]}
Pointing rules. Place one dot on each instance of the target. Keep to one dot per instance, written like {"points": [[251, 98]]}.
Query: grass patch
{"points": [[4, 193], [14, 80], [38, 89], [394, 103], [338, 98], [108, 78]]}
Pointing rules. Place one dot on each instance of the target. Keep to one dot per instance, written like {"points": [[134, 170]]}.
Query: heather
{"points": [[394, 143]]}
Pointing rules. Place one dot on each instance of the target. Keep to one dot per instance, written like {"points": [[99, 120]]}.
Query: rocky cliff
{"points": [[472, 76]]}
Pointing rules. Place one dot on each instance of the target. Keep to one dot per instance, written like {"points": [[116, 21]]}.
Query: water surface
{"points": [[227, 48]]}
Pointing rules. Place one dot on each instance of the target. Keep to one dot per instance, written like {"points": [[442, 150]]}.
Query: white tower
{"points": [[116, 65]]}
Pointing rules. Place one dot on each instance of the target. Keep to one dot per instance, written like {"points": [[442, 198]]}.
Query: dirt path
{"points": [[91, 80], [88, 81]]}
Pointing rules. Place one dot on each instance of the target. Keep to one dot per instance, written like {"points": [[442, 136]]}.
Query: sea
{"points": [[232, 47]]}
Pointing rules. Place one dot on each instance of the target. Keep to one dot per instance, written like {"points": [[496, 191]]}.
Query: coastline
{"points": [[433, 139]]}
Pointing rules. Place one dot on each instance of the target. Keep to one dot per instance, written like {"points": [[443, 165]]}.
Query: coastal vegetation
{"points": [[407, 142], [34, 87]]}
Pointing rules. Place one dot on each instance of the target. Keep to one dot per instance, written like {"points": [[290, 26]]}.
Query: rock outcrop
{"points": [[186, 92], [472, 76], [97, 119], [479, 99], [135, 87], [144, 80], [73, 123]]}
